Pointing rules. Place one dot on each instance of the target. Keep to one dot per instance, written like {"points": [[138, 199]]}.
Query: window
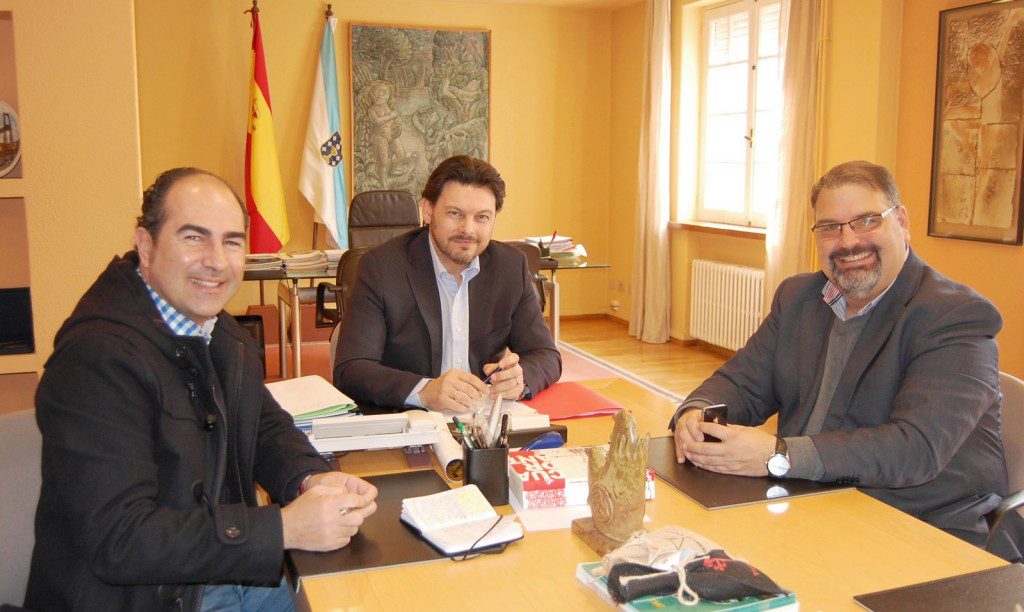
{"points": [[740, 112]]}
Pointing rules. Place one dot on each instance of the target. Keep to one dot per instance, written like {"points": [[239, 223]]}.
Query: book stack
{"points": [[554, 477], [305, 260], [263, 261]]}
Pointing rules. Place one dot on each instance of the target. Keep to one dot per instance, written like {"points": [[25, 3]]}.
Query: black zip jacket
{"points": [[151, 445]]}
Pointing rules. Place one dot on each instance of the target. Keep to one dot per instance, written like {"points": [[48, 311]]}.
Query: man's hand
{"points": [[742, 451], [509, 382], [454, 390], [329, 513], [687, 431]]}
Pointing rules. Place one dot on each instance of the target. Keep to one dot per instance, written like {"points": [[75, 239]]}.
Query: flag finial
{"points": [[329, 13], [255, 6]]}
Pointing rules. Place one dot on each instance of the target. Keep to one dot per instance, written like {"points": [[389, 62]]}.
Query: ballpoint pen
{"points": [[487, 380], [503, 436]]}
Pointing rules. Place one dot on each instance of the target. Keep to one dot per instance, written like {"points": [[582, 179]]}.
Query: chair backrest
{"points": [[20, 477], [374, 217], [1013, 429], [533, 260]]}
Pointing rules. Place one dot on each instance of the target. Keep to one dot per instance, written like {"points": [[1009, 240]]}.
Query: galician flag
{"points": [[264, 195], [322, 175]]}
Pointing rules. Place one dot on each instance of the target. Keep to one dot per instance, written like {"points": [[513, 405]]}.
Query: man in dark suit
{"points": [[883, 372], [442, 308]]}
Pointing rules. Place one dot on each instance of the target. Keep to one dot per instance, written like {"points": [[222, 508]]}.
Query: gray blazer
{"points": [[391, 334], [914, 421]]}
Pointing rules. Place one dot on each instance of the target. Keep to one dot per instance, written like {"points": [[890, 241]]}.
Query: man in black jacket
{"points": [[156, 425]]}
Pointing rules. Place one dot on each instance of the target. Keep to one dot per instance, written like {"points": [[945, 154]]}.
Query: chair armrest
{"points": [[1009, 504], [327, 317]]}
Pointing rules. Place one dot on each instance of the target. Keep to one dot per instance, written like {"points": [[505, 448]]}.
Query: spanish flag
{"points": [[264, 195]]}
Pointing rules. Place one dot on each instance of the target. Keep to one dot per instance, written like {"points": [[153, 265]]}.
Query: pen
{"points": [[487, 380], [554, 235], [503, 436], [466, 439]]}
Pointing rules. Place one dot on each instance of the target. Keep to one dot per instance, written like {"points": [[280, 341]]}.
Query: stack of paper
{"points": [[305, 260], [334, 255], [556, 243], [308, 398], [262, 261], [573, 255]]}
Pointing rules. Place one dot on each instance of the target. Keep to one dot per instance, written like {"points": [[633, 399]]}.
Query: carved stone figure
{"points": [[617, 480]]}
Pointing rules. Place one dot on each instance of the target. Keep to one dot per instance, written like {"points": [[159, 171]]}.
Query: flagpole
{"points": [[316, 226]]}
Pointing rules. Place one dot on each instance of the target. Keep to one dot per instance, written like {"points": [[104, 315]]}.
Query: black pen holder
{"points": [[487, 468]]}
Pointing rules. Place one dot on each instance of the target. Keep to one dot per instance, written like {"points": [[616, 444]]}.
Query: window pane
{"points": [[767, 136], [727, 89], [718, 41], [739, 37], [765, 188], [768, 29], [724, 139], [769, 84], [723, 187]]}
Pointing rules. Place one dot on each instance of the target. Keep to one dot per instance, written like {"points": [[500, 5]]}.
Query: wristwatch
{"points": [[778, 463]]}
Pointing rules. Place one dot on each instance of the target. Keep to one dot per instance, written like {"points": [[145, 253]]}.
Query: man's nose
{"points": [[847, 237], [215, 257]]}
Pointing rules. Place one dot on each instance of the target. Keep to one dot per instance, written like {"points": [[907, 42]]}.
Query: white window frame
{"points": [[747, 217]]}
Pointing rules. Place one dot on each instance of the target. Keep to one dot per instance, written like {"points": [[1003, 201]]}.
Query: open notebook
{"points": [[456, 521]]}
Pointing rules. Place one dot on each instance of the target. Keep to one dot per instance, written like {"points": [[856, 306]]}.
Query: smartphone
{"points": [[715, 414]]}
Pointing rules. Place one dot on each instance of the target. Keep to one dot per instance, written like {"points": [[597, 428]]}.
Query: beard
{"points": [[449, 251], [857, 282]]}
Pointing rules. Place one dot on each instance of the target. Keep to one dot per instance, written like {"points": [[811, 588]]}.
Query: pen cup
{"points": [[487, 468]]}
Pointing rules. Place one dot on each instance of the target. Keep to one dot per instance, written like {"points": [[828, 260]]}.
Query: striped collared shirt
{"points": [[179, 323]]}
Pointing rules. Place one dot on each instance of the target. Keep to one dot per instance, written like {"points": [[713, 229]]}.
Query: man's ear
{"points": [[144, 246], [904, 219], [426, 210]]}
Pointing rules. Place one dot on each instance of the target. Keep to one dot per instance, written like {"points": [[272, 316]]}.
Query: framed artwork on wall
{"points": [[10, 127], [419, 95], [979, 124]]}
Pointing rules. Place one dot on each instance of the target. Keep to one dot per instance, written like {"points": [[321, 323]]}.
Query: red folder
{"points": [[571, 400]]}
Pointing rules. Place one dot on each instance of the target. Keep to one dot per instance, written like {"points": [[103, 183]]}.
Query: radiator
{"points": [[726, 304]]}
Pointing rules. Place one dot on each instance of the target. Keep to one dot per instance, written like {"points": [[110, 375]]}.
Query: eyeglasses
{"points": [[860, 225]]}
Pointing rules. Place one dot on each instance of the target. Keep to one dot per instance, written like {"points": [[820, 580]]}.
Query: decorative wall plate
{"points": [[10, 138]]}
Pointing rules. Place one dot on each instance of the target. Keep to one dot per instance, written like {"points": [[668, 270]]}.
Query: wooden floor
{"points": [[672, 366]]}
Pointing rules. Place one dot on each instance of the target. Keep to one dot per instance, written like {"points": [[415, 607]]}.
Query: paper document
{"points": [[310, 397]]}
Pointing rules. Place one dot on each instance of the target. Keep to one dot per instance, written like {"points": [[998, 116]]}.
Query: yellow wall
{"points": [[81, 185], [627, 38], [992, 269], [550, 105]]}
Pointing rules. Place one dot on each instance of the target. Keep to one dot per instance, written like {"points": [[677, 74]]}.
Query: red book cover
{"points": [[570, 400], [549, 478]]}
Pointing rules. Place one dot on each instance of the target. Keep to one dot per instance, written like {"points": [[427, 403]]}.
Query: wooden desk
{"points": [[827, 548]]}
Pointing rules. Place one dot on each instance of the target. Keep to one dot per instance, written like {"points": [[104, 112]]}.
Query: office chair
{"points": [[21, 447], [533, 260], [254, 325], [340, 289], [1013, 448], [374, 217]]}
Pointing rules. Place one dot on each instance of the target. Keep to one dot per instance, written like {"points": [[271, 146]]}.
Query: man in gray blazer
{"points": [[439, 310], [883, 372]]}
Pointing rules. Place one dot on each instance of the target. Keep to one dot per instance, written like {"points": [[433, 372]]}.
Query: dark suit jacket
{"points": [[391, 334], [915, 416]]}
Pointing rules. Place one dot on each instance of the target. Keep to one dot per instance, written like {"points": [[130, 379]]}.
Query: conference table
{"points": [[826, 548]]}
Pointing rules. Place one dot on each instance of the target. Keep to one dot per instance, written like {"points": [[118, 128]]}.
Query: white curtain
{"points": [[789, 244], [649, 319]]}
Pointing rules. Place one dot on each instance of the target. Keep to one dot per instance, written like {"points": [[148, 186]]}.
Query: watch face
{"points": [[778, 465]]}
